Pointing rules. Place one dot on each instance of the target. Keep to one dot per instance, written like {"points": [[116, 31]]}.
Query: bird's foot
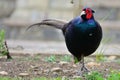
{"points": [[83, 71]]}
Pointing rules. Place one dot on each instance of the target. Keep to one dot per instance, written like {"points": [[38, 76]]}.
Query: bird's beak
{"points": [[83, 13]]}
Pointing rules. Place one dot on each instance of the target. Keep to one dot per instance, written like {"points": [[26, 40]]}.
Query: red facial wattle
{"points": [[88, 13]]}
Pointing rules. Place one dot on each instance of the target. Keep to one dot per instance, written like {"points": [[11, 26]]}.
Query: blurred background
{"points": [[17, 15]]}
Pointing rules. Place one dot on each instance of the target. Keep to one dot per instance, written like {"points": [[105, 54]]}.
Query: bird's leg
{"points": [[83, 69]]}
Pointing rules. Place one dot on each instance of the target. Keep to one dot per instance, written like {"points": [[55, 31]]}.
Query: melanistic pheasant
{"points": [[82, 34]]}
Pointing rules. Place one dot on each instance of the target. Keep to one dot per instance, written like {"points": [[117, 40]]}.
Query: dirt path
{"points": [[36, 66]]}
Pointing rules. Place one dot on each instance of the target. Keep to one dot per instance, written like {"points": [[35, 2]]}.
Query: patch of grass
{"points": [[9, 78], [100, 54], [118, 61], [100, 57], [51, 58], [114, 75], [66, 58], [3, 49], [4, 78], [40, 78], [29, 58], [36, 57], [94, 76], [58, 78]]}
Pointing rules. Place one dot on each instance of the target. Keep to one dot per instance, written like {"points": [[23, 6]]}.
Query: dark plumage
{"points": [[83, 34]]}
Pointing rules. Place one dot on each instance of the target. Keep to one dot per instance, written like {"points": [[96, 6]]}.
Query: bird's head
{"points": [[87, 13]]}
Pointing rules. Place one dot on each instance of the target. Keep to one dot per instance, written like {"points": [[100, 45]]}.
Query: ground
{"points": [[52, 66]]}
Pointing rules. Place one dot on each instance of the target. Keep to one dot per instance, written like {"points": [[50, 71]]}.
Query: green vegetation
{"points": [[66, 58], [44, 78], [94, 76], [100, 54], [113, 75], [118, 61], [51, 58], [8, 78], [3, 49], [54, 58], [40, 78]]}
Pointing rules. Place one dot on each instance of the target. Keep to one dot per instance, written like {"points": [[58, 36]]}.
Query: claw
{"points": [[84, 69]]}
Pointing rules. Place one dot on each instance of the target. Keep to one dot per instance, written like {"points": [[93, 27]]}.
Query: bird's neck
{"points": [[85, 19], [85, 24], [78, 21]]}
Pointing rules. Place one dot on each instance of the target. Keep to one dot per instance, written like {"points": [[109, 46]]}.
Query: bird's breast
{"points": [[84, 38]]}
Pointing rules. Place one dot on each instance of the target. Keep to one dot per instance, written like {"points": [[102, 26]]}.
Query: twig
{"points": [[8, 54]]}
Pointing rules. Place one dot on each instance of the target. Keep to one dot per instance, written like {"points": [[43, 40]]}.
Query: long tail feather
{"points": [[54, 23]]}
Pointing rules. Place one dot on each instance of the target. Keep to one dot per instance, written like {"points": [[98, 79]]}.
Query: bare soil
{"points": [[36, 66]]}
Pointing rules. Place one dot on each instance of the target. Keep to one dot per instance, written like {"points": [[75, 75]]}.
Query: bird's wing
{"points": [[71, 23], [50, 22]]}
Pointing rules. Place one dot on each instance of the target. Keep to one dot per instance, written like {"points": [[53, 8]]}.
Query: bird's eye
{"points": [[83, 9]]}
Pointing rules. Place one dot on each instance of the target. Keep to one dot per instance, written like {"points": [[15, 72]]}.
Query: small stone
{"points": [[23, 74], [55, 75], [57, 69], [66, 71], [112, 58], [106, 70], [33, 66], [74, 77], [91, 64], [38, 72], [74, 65], [46, 71], [63, 63], [4, 73]]}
